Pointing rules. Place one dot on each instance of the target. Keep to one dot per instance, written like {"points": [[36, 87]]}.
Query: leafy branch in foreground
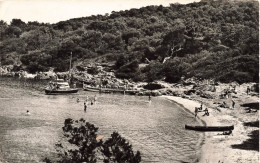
{"points": [[82, 144], [116, 149]]}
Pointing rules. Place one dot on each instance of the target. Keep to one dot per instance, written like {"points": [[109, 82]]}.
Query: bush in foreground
{"points": [[81, 144]]}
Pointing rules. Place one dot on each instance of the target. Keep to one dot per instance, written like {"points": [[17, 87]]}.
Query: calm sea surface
{"points": [[156, 129]]}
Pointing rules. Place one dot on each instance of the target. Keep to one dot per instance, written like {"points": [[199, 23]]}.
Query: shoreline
{"points": [[189, 108], [215, 146]]}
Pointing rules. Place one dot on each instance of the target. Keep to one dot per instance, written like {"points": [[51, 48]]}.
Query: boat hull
{"points": [[107, 90], [48, 91], [209, 128], [91, 89]]}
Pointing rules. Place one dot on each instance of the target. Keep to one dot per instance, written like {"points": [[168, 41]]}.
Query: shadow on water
{"points": [[250, 144], [253, 105], [8, 123]]}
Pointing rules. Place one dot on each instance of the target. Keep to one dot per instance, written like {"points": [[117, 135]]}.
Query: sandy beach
{"points": [[242, 144]]}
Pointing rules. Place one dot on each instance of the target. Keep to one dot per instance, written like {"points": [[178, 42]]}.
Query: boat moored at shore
{"points": [[59, 87], [210, 128], [109, 90]]}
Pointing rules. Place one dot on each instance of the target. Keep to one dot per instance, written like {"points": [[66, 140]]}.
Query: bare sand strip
{"points": [[218, 147]]}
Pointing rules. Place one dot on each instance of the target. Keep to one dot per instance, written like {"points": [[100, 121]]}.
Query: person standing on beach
{"points": [[233, 104], [196, 111], [247, 90], [201, 106]]}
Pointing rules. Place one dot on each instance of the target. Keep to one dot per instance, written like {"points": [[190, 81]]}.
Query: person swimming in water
{"points": [[85, 107], [27, 112], [95, 99], [87, 100]]}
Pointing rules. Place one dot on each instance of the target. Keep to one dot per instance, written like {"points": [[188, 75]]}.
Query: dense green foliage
{"points": [[82, 144], [208, 39]]}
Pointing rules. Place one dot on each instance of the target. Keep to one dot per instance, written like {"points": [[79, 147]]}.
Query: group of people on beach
{"points": [[200, 109]]}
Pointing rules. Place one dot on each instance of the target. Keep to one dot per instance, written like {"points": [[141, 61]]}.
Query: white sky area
{"points": [[52, 11]]}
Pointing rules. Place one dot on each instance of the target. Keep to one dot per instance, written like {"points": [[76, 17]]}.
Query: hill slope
{"points": [[208, 39]]}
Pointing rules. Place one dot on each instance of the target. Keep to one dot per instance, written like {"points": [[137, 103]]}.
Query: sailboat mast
{"points": [[70, 64]]}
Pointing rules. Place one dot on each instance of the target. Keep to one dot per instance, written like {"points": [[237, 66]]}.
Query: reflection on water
{"points": [[156, 129]]}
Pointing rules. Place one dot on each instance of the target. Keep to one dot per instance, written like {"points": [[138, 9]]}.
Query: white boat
{"points": [[59, 87]]}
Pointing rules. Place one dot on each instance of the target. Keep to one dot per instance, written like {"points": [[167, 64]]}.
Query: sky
{"points": [[52, 11]]}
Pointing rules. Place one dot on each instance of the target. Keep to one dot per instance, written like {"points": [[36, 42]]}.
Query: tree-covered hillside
{"points": [[208, 39]]}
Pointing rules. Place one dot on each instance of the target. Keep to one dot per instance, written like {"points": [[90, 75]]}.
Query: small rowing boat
{"points": [[96, 89], [209, 128], [91, 89], [108, 90]]}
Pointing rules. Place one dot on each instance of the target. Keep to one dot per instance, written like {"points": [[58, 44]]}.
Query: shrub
{"points": [[153, 86], [153, 71], [93, 70], [128, 71], [83, 145], [175, 69], [240, 77], [122, 60]]}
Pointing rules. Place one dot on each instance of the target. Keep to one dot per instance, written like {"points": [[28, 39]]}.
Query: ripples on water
{"points": [[156, 129]]}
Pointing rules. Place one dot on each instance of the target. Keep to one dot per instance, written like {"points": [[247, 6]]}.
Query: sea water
{"points": [[154, 128]]}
